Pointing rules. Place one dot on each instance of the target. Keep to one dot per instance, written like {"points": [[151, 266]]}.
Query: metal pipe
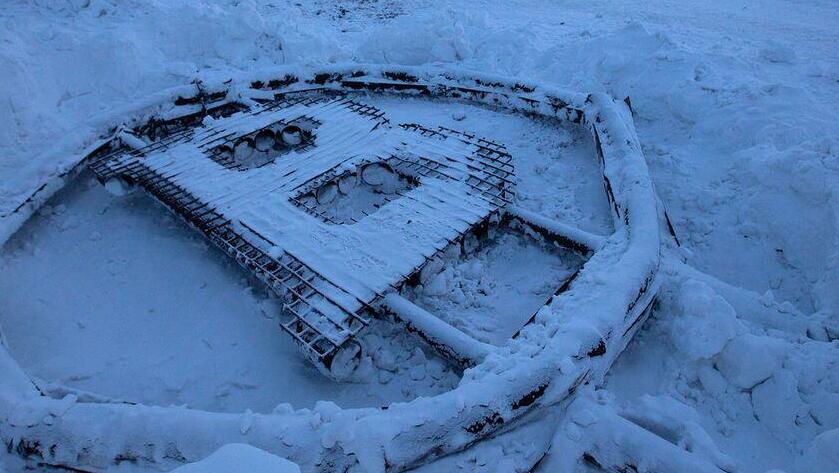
{"points": [[447, 340], [566, 235]]}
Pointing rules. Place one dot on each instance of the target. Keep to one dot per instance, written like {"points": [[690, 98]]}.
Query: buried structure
{"points": [[341, 212], [331, 207]]}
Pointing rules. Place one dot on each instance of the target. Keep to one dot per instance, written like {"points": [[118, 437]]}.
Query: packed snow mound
{"points": [[749, 360], [437, 36], [707, 323], [240, 457]]}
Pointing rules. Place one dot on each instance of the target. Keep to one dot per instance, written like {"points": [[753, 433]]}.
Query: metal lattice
{"points": [[316, 312]]}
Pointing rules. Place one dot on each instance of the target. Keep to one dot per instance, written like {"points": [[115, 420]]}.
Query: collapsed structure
{"points": [[271, 220], [331, 206]]}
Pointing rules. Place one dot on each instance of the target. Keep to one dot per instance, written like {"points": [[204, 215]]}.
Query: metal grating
{"points": [[491, 167], [321, 312], [266, 144], [317, 323]]}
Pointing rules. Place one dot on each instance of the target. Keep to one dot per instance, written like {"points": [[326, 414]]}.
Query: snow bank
{"points": [[763, 388]]}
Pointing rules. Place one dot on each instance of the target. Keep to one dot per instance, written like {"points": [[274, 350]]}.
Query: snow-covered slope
{"points": [[735, 105]]}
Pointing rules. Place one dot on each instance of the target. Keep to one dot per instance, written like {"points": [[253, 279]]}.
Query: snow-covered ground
{"points": [[735, 104]]}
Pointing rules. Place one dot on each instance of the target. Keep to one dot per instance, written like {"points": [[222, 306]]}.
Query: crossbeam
{"points": [[447, 340], [554, 230]]}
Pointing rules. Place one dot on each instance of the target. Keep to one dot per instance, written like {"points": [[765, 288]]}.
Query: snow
{"points": [[735, 106], [822, 453], [762, 398], [162, 318], [707, 322], [240, 457], [491, 293], [748, 360], [658, 436]]}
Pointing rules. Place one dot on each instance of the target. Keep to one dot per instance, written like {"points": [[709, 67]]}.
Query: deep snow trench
{"points": [[115, 296]]}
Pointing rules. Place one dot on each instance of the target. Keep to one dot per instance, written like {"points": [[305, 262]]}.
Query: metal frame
{"points": [[309, 309], [564, 351]]}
